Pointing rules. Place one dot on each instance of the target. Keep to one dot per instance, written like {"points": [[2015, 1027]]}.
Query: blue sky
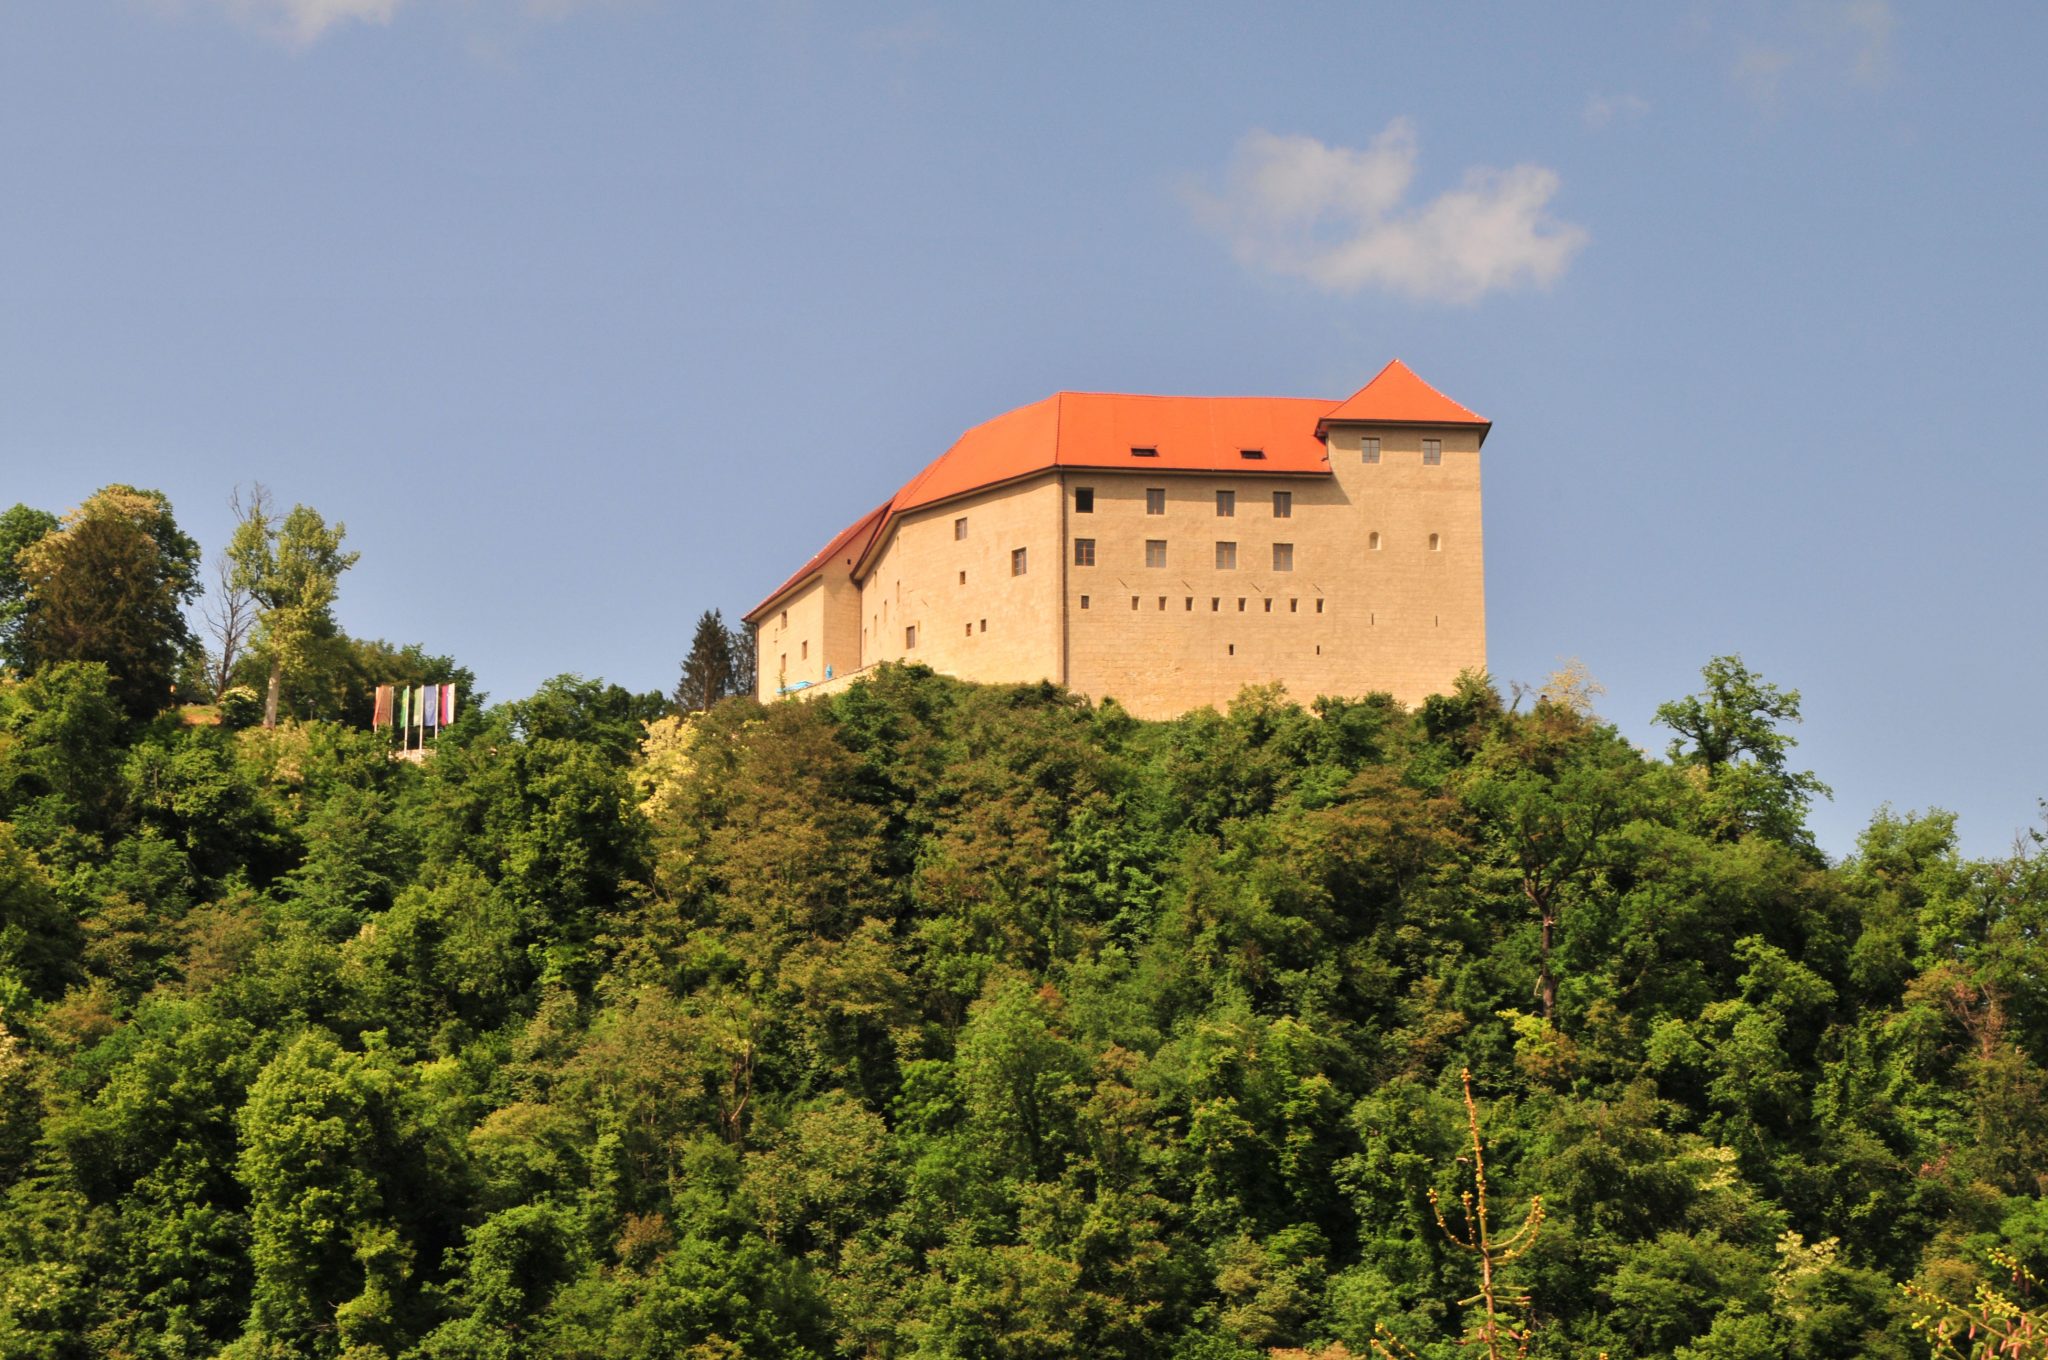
{"points": [[588, 316]]}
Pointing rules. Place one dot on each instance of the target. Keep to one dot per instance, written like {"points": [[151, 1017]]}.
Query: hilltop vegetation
{"points": [[939, 1020], [943, 1020]]}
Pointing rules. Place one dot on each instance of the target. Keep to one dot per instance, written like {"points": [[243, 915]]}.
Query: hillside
{"points": [[937, 1020]]}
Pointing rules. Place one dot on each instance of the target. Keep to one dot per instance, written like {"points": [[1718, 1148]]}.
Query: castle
{"points": [[1164, 551]]}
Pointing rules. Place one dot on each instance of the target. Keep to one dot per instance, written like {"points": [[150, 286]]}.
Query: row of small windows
{"points": [[1155, 504], [1155, 554], [1215, 603], [1432, 451]]}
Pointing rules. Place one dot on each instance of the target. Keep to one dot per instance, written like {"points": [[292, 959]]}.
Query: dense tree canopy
{"points": [[935, 1020], [108, 584]]}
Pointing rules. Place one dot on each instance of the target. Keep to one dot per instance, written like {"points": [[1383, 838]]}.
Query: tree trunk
{"points": [[277, 682]]}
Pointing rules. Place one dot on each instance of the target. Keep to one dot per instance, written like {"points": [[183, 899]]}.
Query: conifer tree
{"points": [[709, 671]]}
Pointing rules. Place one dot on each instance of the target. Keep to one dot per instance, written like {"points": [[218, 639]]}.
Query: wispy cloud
{"points": [[1340, 218], [1604, 109], [1813, 42], [299, 24]]}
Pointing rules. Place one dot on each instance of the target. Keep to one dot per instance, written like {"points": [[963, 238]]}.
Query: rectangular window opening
{"points": [[1369, 450], [1017, 561], [1134, 602], [1162, 604], [1155, 500], [1432, 452], [910, 637], [1240, 604], [1319, 606], [1084, 552], [1084, 601], [1283, 505], [984, 625], [1226, 557], [1252, 455], [960, 527], [1269, 604], [1144, 451], [1155, 552], [1293, 605], [1226, 504], [1283, 557], [1084, 500], [1191, 604]]}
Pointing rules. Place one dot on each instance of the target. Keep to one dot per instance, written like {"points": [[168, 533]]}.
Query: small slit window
{"points": [[1269, 604], [1240, 604], [1436, 542], [1084, 500], [1084, 552], [1084, 601], [1134, 602], [1319, 606], [1372, 541], [984, 625], [1432, 452], [910, 638]]}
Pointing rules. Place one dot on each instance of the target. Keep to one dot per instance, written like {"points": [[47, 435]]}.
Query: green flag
{"points": [[404, 707]]}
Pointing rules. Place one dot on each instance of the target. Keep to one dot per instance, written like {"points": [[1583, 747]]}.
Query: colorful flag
{"points": [[447, 705], [380, 708], [430, 705], [404, 708]]}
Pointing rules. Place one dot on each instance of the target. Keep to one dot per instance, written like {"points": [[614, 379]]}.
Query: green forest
{"points": [[944, 1020]]}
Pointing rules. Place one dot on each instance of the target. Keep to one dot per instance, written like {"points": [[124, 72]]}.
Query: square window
{"points": [[1084, 500], [1226, 557], [1369, 449], [1283, 557], [910, 637], [1155, 500], [1283, 505], [1155, 552], [1226, 503], [1017, 562], [1432, 452], [960, 527], [1084, 552]]}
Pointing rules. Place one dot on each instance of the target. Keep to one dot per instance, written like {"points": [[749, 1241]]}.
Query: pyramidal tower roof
{"points": [[1396, 396]]}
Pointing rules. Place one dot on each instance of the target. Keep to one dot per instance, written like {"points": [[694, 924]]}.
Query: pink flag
{"points": [[447, 705]]}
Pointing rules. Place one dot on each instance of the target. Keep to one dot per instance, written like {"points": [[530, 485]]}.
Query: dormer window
{"points": [[1144, 451], [1251, 455]]}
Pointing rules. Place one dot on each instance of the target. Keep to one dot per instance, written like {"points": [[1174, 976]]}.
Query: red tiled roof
{"points": [[1398, 397], [848, 545], [1101, 429]]}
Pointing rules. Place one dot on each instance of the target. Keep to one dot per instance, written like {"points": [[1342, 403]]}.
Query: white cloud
{"points": [[1339, 218], [1603, 109]]}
